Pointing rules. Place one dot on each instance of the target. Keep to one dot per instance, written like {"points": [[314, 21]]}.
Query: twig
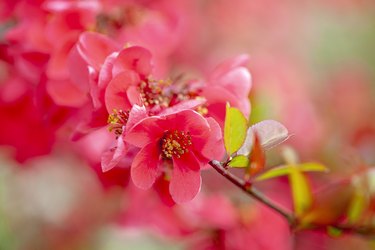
{"points": [[219, 167]]}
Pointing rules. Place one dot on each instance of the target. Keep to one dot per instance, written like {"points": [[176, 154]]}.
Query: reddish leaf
{"points": [[257, 158]]}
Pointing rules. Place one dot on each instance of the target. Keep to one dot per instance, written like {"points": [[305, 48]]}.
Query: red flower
{"points": [[177, 145]]}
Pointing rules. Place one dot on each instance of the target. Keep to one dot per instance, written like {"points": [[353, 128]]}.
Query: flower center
{"points": [[117, 120], [152, 93], [175, 143]]}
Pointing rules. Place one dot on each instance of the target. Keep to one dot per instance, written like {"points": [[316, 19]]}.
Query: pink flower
{"points": [[177, 145], [229, 82], [120, 122], [120, 80], [47, 30]]}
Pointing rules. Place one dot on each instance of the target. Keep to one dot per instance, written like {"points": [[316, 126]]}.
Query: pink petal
{"points": [[105, 74], [147, 131], [31, 64], [134, 58], [144, 169], [137, 113], [78, 71], [186, 179], [218, 94], [189, 104], [66, 93], [96, 94], [94, 48], [58, 64], [237, 81], [115, 94], [227, 65], [217, 97], [133, 95], [113, 156], [214, 147], [191, 121]]}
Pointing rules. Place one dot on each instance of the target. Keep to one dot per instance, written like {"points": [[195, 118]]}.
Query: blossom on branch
{"points": [[174, 146]]}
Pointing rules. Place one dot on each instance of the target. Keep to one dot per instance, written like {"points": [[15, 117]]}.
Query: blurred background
{"points": [[313, 69]]}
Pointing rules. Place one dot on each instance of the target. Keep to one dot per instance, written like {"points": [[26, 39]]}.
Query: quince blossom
{"points": [[177, 145]]}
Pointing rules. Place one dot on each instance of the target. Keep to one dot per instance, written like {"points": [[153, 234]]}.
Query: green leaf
{"points": [[285, 170], [239, 161], [359, 202], [235, 128], [356, 208], [301, 192], [274, 172], [312, 167]]}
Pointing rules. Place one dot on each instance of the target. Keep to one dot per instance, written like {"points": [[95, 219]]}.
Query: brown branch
{"points": [[219, 167], [292, 220]]}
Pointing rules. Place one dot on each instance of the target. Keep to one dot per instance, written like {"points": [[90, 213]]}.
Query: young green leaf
{"points": [[359, 201], [285, 170], [234, 129], [301, 192], [312, 167], [357, 207], [239, 161], [274, 172]]}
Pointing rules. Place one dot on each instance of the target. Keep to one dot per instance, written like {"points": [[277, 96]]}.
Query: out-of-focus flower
{"points": [[230, 82], [223, 225]]}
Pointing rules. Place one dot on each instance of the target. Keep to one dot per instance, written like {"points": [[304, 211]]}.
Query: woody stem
{"points": [[251, 191]]}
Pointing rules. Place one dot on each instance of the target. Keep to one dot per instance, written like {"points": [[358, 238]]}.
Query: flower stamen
{"points": [[152, 93], [117, 120], [175, 143]]}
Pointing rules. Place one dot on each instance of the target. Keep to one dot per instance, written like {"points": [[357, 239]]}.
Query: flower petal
{"points": [[191, 121], [113, 156], [133, 95], [78, 71], [115, 94], [189, 104], [134, 58], [66, 93], [237, 81], [214, 147], [217, 97], [146, 131], [227, 65], [136, 114], [145, 166], [94, 48], [105, 73], [186, 179]]}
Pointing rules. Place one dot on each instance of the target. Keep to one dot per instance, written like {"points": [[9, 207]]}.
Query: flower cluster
{"points": [[107, 72], [173, 123]]}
